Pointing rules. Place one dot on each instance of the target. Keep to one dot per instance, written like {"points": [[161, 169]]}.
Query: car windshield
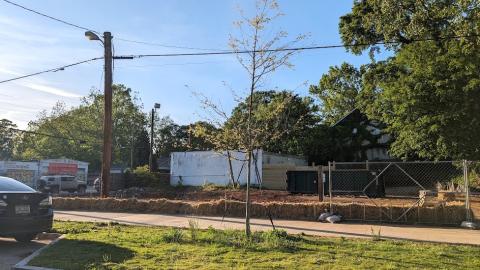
{"points": [[9, 184]]}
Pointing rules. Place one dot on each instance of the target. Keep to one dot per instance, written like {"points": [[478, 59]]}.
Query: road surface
{"points": [[398, 232], [11, 251]]}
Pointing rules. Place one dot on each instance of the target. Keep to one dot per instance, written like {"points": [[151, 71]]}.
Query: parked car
{"points": [[57, 183], [24, 212]]}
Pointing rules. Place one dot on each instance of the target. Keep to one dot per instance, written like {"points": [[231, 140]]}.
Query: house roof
{"points": [[347, 116]]}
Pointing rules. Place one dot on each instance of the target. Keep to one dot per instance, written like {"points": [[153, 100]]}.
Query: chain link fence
{"points": [[441, 192]]}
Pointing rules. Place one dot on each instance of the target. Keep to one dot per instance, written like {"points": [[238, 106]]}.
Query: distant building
{"points": [[366, 138], [29, 172], [199, 168]]}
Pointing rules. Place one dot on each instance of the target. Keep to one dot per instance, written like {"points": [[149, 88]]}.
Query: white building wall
{"points": [[209, 167]]}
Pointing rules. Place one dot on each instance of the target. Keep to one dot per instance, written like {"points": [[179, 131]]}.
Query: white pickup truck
{"points": [[57, 183]]}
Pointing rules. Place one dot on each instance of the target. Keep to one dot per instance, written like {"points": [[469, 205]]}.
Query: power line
{"points": [[172, 64], [51, 70], [297, 48], [241, 52], [167, 46], [97, 32], [50, 17]]}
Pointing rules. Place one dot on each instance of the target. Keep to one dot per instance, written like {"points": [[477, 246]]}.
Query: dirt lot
{"points": [[193, 194]]}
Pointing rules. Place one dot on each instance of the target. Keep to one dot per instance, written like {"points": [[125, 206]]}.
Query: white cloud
{"points": [[51, 90]]}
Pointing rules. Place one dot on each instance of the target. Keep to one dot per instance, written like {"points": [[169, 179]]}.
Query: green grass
{"points": [[114, 246]]}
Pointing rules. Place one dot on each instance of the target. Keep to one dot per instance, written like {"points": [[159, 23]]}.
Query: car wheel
{"points": [[25, 237], [81, 190]]}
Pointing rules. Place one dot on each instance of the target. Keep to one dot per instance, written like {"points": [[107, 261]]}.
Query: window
{"points": [[9, 184], [66, 179]]}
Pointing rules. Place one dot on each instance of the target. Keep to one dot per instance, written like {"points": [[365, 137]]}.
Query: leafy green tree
{"points": [[338, 91], [171, 137], [281, 120], [402, 22], [428, 92], [429, 101], [7, 138], [77, 132]]}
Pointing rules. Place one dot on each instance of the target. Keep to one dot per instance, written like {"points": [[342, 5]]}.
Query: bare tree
{"points": [[265, 55], [260, 51]]}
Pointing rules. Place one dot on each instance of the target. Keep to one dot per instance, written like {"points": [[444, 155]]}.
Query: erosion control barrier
{"points": [[452, 213]]}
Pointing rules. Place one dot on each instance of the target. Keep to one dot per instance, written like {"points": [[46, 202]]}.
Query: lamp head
{"points": [[91, 35], [157, 106]]}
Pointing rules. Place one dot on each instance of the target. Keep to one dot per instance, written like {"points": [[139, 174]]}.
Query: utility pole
{"points": [[107, 117], [150, 159], [152, 123], [107, 120]]}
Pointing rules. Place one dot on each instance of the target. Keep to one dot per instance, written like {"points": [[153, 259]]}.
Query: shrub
{"points": [[173, 235], [142, 177]]}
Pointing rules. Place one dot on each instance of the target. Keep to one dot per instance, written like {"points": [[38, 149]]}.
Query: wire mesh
{"points": [[412, 192]]}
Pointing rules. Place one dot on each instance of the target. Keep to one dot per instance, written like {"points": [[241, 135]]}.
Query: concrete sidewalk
{"points": [[387, 231]]}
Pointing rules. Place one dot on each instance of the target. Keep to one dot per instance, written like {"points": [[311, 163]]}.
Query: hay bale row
{"points": [[451, 213]]}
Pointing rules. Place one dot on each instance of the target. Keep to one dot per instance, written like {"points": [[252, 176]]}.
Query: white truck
{"points": [[57, 183]]}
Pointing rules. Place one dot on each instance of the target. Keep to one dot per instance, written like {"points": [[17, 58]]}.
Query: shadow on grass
{"points": [[81, 254]]}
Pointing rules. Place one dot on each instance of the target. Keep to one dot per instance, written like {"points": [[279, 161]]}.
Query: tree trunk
{"points": [[231, 168], [247, 203]]}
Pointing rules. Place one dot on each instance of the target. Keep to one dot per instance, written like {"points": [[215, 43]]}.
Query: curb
{"points": [[23, 264]]}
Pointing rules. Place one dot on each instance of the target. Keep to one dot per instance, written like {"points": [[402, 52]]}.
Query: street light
{"points": [[107, 120], [92, 36], [150, 159]]}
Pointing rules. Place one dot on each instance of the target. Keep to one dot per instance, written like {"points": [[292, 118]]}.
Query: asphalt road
{"points": [[11, 251], [398, 232]]}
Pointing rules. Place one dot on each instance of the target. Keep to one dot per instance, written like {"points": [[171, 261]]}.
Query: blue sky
{"points": [[31, 43]]}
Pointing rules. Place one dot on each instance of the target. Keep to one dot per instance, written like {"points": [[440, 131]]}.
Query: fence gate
{"points": [[392, 185]]}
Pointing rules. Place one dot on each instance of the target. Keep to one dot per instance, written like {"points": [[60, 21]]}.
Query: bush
{"points": [[173, 235], [142, 177]]}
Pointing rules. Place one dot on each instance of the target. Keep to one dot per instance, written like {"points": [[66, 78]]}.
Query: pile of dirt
{"points": [[450, 213]]}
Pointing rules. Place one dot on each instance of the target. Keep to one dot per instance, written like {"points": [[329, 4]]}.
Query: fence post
{"points": [[330, 185], [467, 191]]}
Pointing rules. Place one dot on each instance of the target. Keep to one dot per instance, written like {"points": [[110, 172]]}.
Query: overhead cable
{"points": [[50, 17], [51, 70]]}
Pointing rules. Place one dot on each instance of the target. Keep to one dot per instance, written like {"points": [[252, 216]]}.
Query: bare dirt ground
{"points": [[261, 196], [197, 194]]}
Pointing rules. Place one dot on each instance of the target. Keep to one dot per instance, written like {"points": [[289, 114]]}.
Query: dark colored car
{"points": [[24, 212]]}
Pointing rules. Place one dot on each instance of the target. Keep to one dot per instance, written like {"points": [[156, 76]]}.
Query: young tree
{"points": [[265, 55], [260, 51]]}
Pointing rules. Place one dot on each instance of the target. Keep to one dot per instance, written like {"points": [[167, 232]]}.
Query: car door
{"points": [[67, 182]]}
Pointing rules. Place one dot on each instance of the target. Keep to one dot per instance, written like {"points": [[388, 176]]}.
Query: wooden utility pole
{"points": [[107, 120], [150, 158]]}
